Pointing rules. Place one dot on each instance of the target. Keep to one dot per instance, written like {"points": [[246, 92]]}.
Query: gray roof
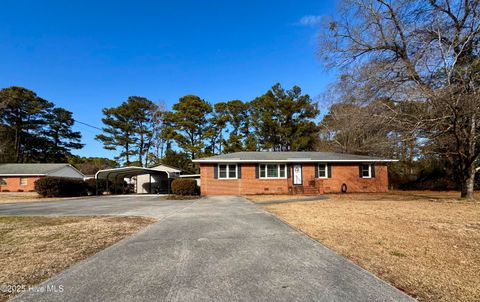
{"points": [[290, 157], [30, 169]]}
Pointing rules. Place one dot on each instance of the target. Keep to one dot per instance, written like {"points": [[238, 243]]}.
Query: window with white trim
{"points": [[23, 181], [366, 171], [273, 171], [322, 171], [227, 171]]}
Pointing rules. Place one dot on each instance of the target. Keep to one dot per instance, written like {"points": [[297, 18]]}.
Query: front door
{"points": [[297, 174]]}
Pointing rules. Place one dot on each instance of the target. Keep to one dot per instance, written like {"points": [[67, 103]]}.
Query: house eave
{"points": [[23, 174], [300, 160]]}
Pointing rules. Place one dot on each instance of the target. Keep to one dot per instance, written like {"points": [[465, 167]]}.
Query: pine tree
{"points": [[33, 129], [130, 128], [284, 120], [189, 121]]}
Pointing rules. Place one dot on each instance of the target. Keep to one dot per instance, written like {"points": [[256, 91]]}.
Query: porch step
{"points": [[306, 190]]}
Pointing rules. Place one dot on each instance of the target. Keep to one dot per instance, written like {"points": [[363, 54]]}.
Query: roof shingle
{"points": [[291, 157], [29, 169]]}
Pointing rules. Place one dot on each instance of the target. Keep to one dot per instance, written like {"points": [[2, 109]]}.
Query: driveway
{"points": [[213, 249], [135, 205]]}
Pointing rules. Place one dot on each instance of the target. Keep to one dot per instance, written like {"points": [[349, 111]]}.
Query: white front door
{"points": [[297, 174]]}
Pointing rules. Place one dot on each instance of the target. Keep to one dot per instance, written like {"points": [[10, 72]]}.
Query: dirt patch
{"points": [[425, 243], [32, 249]]}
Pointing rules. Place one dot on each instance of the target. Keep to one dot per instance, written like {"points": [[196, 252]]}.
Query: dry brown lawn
{"points": [[425, 243], [15, 197], [32, 249]]}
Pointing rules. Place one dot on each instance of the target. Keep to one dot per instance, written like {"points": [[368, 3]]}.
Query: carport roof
{"points": [[127, 172]]}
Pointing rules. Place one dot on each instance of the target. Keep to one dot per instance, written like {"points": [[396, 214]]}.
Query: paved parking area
{"points": [[136, 205], [212, 249]]}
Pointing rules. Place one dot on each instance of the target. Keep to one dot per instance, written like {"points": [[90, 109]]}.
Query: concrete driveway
{"points": [[213, 249], [136, 205]]}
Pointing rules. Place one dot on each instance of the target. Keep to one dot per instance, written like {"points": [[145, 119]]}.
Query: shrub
{"points": [[184, 186], [92, 186], [122, 188], [60, 187], [5, 190], [19, 190]]}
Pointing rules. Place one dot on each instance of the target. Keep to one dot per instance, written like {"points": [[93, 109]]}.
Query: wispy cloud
{"points": [[310, 20]]}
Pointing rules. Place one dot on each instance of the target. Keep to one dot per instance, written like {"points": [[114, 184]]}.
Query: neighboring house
{"points": [[292, 173], [21, 177]]}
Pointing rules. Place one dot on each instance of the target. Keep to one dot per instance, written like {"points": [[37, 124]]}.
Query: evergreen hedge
{"points": [[61, 187]]}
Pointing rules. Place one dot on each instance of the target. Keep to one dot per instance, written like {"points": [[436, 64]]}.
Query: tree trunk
{"points": [[468, 181], [127, 151], [468, 184], [140, 151]]}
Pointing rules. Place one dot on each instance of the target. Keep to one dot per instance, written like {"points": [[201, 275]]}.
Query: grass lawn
{"points": [[32, 249], [15, 197], [425, 243]]}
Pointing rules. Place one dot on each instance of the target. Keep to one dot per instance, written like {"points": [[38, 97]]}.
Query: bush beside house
{"points": [[71, 187], [61, 187], [184, 186], [92, 186]]}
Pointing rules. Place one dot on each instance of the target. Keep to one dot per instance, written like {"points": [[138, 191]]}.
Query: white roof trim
{"points": [[30, 174], [298, 160]]}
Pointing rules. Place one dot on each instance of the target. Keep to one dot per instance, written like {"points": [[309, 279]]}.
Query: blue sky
{"points": [[87, 55]]}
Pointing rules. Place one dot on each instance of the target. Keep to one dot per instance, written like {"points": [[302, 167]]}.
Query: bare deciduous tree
{"points": [[416, 53]]}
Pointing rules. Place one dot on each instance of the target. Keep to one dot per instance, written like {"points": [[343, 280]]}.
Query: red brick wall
{"points": [[13, 183], [341, 174], [349, 175]]}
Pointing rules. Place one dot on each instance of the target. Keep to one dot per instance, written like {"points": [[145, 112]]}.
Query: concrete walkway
{"points": [[216, 249]]}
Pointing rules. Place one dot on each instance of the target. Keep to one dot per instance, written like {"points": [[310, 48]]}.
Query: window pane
{"points": [[322, 170], [282, 170], [262, 171], [272, 170], [222, 169], [366, 170], [23, 181], [232, 171]]}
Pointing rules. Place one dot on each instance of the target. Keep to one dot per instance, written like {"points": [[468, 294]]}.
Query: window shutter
{"points": [[288, 171], [215, 171], [329, 171], [373, 170], [257, 171], [239, 171], [360, 170], [316, 170]]}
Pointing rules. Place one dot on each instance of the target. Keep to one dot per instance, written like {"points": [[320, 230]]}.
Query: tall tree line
{"points": [[279, 120], [33, 129]]}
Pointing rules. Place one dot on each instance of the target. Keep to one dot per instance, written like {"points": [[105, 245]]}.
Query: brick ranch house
{"points": [[22, 177], [243, 173]]}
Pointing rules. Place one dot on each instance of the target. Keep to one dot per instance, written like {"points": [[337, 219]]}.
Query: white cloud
{"points": [[310, 20]]}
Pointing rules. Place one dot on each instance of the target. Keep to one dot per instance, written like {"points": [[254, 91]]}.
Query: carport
{"points": [[113, 176]]}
